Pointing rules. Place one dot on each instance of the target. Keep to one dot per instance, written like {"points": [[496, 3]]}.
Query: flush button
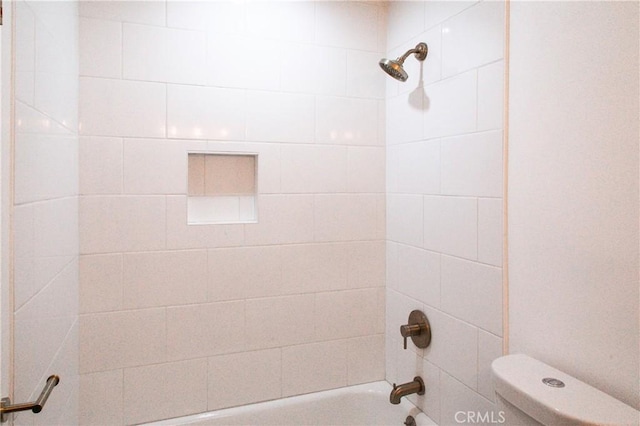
{"points": [[554, 383]]}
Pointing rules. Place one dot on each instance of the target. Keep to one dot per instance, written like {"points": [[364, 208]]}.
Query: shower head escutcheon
{"points": [[394, 67]]}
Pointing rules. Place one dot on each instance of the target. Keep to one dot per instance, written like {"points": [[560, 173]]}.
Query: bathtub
{"points": [[366, 404]]}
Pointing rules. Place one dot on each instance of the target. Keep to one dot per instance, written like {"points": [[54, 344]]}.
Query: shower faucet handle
{"points": [[418, 329]]}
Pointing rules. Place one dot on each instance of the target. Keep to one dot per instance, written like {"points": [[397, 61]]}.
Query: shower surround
{"points": [[178, 319], [444, 137]]}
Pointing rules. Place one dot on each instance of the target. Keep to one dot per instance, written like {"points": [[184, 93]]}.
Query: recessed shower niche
{"points": [[221, 188]]}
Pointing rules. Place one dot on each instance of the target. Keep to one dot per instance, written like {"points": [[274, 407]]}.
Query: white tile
{"points": [[451, 225], [366, 264], [491, 96], [490, 231], [230, 65], [100, 165], [141, 12], [347, 24], [164, 278], [444, 351], [244, 378], [100, 48], [419, 167], [281, 20], [392, 265], [46, 167], [227, 17], [112, 224], [186, 52], [473, 292], [280, 117], [347, 217], [122, 339], [357, 308], [404, 116], [405, 219], [457, 397], [365, 359], [100, 283], [392, 170], [181, 235], [282, 219], [366, 169], [95, 389], [473, 38], [190, 15], [312, 169], [122, 108], [57, 298], [196, 331], [489, 348], [472, 164], [452, 108], [430, 402], [364, 79], [436, 12], [155, 392], [55, 225], [313, 69], [56, 68], [419, 274], [406, 19], [240, 273], [410, 363], [153, 166], [314, 367], [308, 268], [346, 121], [191, 109], [280, 321]]}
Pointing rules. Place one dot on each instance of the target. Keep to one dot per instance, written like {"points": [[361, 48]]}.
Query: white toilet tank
{"points": [[562, 400]]}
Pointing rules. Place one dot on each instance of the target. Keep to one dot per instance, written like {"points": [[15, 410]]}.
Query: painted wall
{"points": [[45, 208], [179, 319], [444, 205], [573, 190]]}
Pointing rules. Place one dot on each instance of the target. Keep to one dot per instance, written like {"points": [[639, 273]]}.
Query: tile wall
{"points": [[45, 208], [174, 316], [444, 140]]}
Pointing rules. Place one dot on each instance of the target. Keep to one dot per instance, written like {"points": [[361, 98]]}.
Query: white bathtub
{"points": [[359, 405]]}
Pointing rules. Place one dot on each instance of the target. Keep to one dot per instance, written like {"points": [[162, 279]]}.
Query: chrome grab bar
{"points": [[7, 408]]}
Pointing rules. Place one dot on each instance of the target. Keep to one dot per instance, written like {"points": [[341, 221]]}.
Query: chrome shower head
{"points": [[394, 67]]}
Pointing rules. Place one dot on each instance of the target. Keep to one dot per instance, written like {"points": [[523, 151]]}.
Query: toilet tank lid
{"points": [[518, 379]]}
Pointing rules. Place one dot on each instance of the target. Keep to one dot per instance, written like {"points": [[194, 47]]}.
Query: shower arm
{"points": [[420, 51]]}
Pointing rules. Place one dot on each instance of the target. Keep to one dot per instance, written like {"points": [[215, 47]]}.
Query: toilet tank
{"points": [[552, 397]]}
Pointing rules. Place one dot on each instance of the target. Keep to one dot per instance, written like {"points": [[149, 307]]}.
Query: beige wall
{"points": [[573, 190], [174, 316], [45, 207]]}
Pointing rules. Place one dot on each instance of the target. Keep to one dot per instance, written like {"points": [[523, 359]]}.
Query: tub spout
{"points": [[416, 386]]}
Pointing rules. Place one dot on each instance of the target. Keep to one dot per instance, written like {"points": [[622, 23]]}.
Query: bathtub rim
{"points": [[381, 387]]}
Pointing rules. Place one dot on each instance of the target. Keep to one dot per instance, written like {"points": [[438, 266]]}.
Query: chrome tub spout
{"points": [[416, 386]]}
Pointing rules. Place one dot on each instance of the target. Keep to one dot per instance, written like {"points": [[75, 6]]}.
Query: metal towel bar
{"points": [[7, 408]]}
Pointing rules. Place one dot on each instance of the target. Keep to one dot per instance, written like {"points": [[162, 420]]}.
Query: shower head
{"points": [[394, 67]]}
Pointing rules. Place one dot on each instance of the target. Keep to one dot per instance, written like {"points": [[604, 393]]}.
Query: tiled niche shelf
{"points": [[221, 188]]}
